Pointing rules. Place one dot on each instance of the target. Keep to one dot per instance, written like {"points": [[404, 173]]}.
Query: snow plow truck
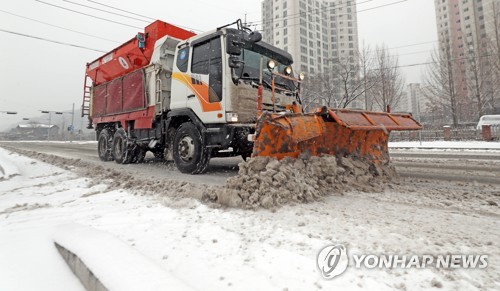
{"points": [[188, 98]]}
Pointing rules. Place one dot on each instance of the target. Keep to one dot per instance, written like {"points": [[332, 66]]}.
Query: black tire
{"points": [[190, 154], [104, 146], [121, 150]]}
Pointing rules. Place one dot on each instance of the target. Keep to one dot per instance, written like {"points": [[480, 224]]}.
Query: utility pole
{"points": [[72, 124], [81, 126], [50, 120]]}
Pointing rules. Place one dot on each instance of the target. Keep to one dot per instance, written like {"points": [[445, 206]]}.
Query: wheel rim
{"points": [[186, 149]]}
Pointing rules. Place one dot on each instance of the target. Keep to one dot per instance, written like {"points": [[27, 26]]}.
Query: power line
{"points": [[413, 53], [53, 41], [359, 11], [415, 44], [136, 14], [78, 12], [60, 27], [385, 5], [300, 14], [106, 11], [450, 60], [122, 10], [294, 16]]}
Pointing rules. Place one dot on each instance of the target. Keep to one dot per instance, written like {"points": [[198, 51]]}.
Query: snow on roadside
{"points": [[463, 145], [114, 263], [232, 249], [8, 169]]}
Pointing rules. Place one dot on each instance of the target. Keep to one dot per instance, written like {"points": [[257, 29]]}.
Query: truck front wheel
{"points": [[104, 144], [190, 155]]}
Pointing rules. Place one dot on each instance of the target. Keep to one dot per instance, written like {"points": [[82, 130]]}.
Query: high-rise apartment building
{"points": [[319, 34], [467, 31], [413, 101]]}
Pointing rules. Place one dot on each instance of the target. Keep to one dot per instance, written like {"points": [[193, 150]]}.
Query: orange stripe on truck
{"points": [[200, 90]]}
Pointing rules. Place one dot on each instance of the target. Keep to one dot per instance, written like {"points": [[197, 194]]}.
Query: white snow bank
{"points": [[446, 145], [117, 265], [7, 167]]}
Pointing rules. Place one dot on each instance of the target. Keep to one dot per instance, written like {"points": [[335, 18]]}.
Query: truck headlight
{"points": [[271, 65], [232, 117]]}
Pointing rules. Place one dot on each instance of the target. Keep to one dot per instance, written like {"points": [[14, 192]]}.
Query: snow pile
{"points": [[7, 169], [268, 183]]}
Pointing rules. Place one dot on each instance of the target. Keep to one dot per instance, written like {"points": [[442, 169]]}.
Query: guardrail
{"points": [[447, 133]]}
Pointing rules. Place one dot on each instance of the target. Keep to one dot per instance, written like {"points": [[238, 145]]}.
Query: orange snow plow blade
{"points": [[339, 132]]}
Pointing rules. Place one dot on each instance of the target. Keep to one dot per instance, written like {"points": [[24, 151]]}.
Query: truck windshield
{"points": [[250, 69]]}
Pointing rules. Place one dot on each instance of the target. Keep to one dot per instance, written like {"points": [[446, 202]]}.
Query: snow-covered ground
{"points": [[468, 145], [211, 248]]}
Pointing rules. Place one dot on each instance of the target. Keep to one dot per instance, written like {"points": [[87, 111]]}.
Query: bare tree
{"points": [[389, 88], [343, 83], [479, 81], [369, 76], [353, 84], [314, 95], [494, 57], [440, 83]]}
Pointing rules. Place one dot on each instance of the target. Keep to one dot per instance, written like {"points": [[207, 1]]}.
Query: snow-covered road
{"points": [[433, 161], [211, 248]]}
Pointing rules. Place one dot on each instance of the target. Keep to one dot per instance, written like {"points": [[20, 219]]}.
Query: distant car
{"points": [[493, 120]]}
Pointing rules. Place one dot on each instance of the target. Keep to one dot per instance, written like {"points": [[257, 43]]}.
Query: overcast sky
{"points": [[38, 75]]}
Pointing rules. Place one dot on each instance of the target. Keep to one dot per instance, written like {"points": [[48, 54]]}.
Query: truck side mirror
{"points": [[235, 62], [233, 45]]}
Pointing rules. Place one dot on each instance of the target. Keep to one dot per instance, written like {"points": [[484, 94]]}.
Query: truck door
{"points": [[180, 79], [205, 93]]}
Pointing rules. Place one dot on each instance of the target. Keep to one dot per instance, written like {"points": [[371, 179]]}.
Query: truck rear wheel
{"points": [[121, 150], [190, 155], [104, 144]]}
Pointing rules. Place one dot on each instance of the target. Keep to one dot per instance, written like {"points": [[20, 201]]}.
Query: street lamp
{"points": [[50, 119]]}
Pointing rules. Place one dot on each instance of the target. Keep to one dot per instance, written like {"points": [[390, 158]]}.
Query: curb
{"points": [[81, 271], [103, 262]]}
